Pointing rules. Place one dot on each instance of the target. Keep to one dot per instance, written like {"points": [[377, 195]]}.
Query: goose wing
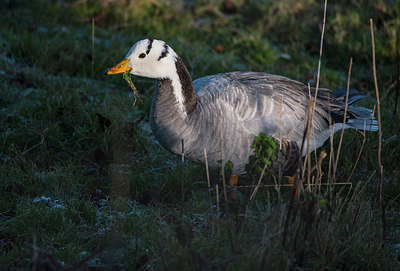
{"points": [[265, 103]]}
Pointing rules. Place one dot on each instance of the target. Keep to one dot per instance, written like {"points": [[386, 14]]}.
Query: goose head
{"points": [[148, 58], [155, 59]]}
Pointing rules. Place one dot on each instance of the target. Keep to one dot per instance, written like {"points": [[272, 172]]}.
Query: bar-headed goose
{"points": [[246, 103]]}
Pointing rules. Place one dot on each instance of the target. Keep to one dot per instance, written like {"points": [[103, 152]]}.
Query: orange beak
{"points": [[121, 67]]}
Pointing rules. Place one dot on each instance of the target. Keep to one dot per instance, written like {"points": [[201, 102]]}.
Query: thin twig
{"points": [[310, 111], [397, 81], [259, 181], [253, 194], [359, 155], [296, 184], [321, 45], [208, 179], [33, 147], [223, 181], [280, 171], [217, 196], [222, 158], [183, 178], [332, 150], [289, 185], [378, 109], [320, 52], [344, 120], [358, 158], [305, 132], [92, 47], [317, 167]]}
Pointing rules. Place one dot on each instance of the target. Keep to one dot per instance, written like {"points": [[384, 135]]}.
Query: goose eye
{"points": [[142, 55]]}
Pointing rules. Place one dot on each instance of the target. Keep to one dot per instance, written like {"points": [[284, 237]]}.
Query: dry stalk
{"points": [[217, 197], [358, 157], [310, 127], [183, 178], [223, 181], [259, 181], [344, 121], [280, 171], [397, 80], [355, 165], [378, 109], [92, 47], [222, 158], [253, 194], [321, 45], [296, 184], [332, 152], [304, 135], [289, 185], [33, 147], [320, 52], [317, 167], [355, 214], [208, 179]]}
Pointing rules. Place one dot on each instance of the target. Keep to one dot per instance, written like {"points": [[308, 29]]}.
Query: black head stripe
{"points": [[149, 46], [164, 52]]}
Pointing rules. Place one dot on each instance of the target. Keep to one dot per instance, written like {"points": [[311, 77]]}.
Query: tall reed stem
{"points": [[378, 109]]}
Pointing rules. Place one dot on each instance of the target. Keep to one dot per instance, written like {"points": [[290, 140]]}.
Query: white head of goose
{"points": [[247, 103]]}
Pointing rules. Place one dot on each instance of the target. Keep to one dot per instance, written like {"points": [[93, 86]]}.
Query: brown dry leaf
{"points": [[219, 48], [234, 180]]}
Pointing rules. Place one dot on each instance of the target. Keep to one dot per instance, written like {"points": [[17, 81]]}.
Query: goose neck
{"points": [[181, 86]]}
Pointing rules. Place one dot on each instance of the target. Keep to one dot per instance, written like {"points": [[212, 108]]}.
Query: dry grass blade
{"points": [[222, 157], [317, 167], [296, 182], [358, 157], [92, 47], [208, 179], [232, 246], [397, 81], [299, 173], [320, 54], [378, 109], [253, 194], [259, 181], [183, 177], [310, 112], [344, 121], [217, 197]]}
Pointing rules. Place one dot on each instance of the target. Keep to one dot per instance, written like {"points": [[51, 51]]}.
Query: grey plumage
{"points": [[247, 103], [243, 103]]}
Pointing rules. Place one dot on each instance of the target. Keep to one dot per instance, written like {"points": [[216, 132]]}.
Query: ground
{"points": [[81, 174]]}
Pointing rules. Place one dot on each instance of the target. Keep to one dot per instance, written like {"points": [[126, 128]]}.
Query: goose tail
{"points": [[359, 118], [362, 119]]}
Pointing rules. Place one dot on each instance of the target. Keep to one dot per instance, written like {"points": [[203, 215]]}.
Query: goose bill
{"points": [[121, 67]]}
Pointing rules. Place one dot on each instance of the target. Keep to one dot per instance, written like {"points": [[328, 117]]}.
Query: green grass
{"points": [[69, 133]]}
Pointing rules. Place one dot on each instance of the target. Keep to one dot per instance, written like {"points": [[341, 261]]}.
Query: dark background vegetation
{"points": [[80, 173]]}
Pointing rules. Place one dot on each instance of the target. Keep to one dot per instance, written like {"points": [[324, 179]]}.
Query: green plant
{"points": [[265, 152]]}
